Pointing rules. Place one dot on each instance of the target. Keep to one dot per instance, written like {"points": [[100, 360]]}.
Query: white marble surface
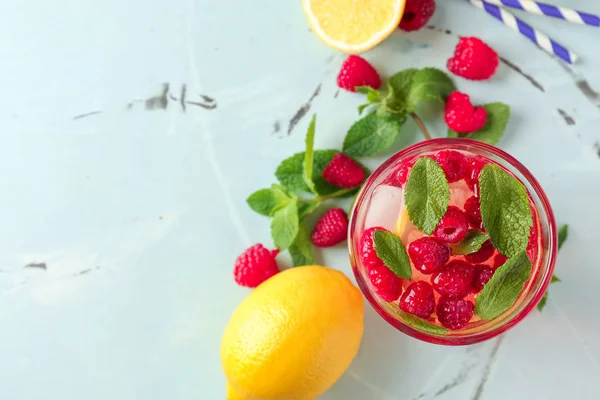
{"points": [[137, 215]]}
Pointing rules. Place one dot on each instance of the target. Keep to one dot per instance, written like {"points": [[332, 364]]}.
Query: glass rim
{"points": [[546, 268]]}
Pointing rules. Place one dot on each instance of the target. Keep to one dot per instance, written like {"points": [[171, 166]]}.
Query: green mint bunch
{"points": [[300, 191]]}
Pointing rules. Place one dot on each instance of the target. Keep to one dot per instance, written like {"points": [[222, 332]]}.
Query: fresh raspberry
{"points": [[474, 167], [368, 255], [356, 71], [416, 14], [454, 314], [402, 173], [473, 212], [418, 299], [343, 171], [461, 116], [483, 254], [453, 163], [454, 279], [473, 59], [428, 254], [386, 284], [499, 260], [453, 226], [255, 265], [331, 228], [483, 274]]}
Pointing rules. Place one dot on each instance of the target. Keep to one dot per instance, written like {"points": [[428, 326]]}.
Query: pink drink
{"points": [[381, 204]]}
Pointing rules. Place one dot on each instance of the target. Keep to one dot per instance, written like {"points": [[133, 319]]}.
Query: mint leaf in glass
{"points": [[370, 135], [427, 194], [498, 115], [501, 292], [504, 210], [422, 325], [391, 250], [470, 244]]}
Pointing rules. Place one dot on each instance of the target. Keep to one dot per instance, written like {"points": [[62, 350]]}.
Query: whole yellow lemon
{"points": [[293, 336]]}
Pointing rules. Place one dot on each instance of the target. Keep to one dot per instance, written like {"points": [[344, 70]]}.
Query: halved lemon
{"points": [[353, 26]]}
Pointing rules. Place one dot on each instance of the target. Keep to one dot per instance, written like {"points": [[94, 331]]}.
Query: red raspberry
{"points": [[474, 166], [473, 212], [356, 71], [416, 14], [461, 116], [368, 255], [483, 254], [428, 254], [343, 171], [453, 226], [386, 284], [483, 274], [403, 171], [255, 265], [453, 163], [418, 299], [331, 228], [454, 313], [454, 279], [473, 59], [499, 260]]}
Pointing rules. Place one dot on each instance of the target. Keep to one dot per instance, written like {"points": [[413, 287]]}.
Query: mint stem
{"points": [[421, 125], [333, 195]]}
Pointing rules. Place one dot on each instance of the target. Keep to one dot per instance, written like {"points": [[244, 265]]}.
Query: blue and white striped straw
{"points": [[535, 7], [536, 36]]}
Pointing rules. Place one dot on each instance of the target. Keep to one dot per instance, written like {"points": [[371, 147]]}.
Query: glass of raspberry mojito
{"points": [[452, 241]]}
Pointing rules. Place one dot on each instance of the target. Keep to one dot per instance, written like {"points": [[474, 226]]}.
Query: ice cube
{"points": [[384, 208]]}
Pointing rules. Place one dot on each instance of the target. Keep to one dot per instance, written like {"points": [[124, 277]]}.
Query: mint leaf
{"points": [[497, 119], [400, 85], [501, 292], [391, 250], [285, 225], [470, 244], [267, 201], [563, 233], [504, 210], [427, 194], [542, 303], [308, 155], [373, 95], [290, 173], [302, 250], [429, 84], [305, 209], [422, 325], [370, 135]]}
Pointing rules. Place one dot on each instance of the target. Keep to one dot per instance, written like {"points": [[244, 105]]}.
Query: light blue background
{"points": [[138, 215]]}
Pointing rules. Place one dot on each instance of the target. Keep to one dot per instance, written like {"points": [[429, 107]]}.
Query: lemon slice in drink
{"points": [[401, 222], [353, 26]]}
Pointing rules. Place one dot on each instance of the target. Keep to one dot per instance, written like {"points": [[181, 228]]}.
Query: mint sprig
{"points": [[371, 135], [309, 156], [302, 250], [422, 325], [427, 194], [504, 210], [501, 292], [429, 84], [563, 233], [470, 244], [285, 225], [498, 115], [392, 252], [267, 201]]}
